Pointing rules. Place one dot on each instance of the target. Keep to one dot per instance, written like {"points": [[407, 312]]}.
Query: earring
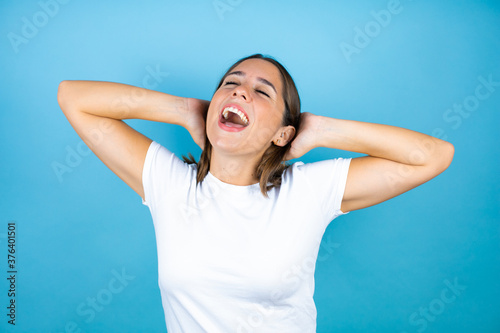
{"points": [[281, 135]]}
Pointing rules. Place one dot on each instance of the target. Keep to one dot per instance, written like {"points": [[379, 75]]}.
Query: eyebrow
{"points": [[260, 79]]}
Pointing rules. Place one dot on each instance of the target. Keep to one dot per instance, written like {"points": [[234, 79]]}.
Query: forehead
{"points": [[258, 68]]}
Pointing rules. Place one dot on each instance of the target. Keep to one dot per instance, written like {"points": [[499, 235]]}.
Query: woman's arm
{"points": [[398, 159], [96, 110]]}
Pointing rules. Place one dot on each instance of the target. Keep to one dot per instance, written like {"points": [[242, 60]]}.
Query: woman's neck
{"points": [[236, 170]]}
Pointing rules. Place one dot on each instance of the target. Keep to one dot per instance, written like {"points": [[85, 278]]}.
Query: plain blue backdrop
{"points": [[427, 261]]}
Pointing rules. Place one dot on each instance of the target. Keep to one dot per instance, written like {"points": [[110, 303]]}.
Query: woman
{"points": [[238, 233]]}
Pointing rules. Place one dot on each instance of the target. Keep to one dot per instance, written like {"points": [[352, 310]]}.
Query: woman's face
{"points": [[246, 112]]}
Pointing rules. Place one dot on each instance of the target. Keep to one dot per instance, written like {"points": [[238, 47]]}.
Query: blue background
{"points": [[379, 267]]}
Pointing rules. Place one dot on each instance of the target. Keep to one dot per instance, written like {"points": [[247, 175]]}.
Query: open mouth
{"points": [[233, 117]]}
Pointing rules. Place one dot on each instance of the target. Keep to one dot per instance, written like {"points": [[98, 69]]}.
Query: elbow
{"points": [[62, 94], [445, 155]]}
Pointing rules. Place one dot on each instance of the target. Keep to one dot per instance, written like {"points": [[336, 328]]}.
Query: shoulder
{"points": [[160, 155], [164, 170]]}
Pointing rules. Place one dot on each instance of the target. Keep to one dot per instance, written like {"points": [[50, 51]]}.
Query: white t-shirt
{"points": [[231, 260]]}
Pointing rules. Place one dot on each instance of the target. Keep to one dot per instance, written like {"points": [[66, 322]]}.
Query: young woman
{"points": [[238, 232]]}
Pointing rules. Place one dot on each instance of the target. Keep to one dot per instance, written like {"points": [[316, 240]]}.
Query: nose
{"points": [[241, 91]]}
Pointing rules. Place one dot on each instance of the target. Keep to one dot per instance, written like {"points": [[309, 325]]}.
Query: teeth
{"points": [[236, 111]]}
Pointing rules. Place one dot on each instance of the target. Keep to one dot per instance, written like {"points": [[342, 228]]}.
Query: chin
{"points": [[226, 144]]}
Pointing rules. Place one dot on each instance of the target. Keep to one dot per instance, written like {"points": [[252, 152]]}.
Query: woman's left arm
{"points": [[398, 159]]}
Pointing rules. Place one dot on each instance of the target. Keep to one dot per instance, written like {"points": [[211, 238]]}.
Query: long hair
{"points": [[272, 164]]}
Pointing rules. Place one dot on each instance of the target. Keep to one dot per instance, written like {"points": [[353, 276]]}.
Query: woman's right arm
{"points": [[96, 110]]}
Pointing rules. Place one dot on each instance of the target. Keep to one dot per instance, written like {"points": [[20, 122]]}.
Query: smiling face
{"points": [[246, 113]]}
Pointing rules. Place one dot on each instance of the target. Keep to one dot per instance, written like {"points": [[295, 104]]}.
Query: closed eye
{"points": [[257, 90], [262, 92]]}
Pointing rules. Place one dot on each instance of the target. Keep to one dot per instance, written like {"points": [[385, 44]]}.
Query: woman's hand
{"points": [[195, 120], [306, 137]]}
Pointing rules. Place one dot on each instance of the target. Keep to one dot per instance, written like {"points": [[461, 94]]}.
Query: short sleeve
{"points": [[327, 181], [163, 173]]}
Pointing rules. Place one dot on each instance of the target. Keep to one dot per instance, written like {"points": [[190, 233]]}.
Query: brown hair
{"points": [[273, 164]]}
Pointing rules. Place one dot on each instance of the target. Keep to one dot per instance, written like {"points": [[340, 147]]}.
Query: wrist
{"points": [[185, 109], [318, 128], [325, 128]]}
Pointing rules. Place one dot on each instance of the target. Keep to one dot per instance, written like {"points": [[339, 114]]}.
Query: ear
{"points": [[284, 135]]}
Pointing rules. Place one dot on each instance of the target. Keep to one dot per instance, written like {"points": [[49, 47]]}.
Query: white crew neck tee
{"points": [[231, 260]]}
